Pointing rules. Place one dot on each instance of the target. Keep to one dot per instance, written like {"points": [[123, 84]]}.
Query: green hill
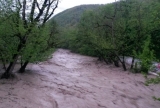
{"points": [[70, 17]]}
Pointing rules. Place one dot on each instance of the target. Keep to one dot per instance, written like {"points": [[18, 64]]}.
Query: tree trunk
{"points": [[106, 61], [8, 72], [109, 60], [4, 64], [100, 58], [23, 67], [123, 64], [116, 63], [132, 63]]}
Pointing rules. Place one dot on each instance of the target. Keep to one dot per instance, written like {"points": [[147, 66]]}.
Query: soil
{"points": [[70, 80]]}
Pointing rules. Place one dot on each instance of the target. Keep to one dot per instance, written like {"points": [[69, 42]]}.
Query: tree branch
{"points": [[24, 11], [41, 11], [48, 16], [32, 10], [98, 25], [37, 5]]}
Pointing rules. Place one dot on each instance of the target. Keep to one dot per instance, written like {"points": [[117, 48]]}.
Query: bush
{"points": [[146, 57]]}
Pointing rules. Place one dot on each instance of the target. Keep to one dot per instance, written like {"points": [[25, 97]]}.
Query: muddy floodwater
{"points": [[70, 80]]}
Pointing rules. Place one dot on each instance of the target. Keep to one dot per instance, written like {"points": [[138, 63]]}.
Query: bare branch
{"points": [[24, 10], [48, 8], [19, 3], [33, 10], [41, 11], [53, 10], [48, 16], [37, 5]]}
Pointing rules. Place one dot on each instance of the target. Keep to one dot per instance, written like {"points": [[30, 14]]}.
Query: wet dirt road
{"points": [[71, 80]]}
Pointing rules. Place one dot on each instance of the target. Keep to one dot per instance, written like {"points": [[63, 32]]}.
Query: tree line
{"points": [[116, 30]]}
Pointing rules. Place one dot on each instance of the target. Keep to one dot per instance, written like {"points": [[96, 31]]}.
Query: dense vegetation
{"points": [[113, 31], [71, 17], [24, 34]]}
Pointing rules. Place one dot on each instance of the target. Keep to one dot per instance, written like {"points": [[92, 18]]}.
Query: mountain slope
{"points": [[70, 17]]}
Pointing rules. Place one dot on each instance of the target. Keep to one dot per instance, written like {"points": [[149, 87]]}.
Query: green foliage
{"points": [[8, 43], [153, 81], [154, 27], [36, 47], [24, 33], [41, 43], [155, 98], [146, 56], [71, 17]]}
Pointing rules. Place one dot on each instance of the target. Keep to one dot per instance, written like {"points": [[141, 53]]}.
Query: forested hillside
{"points": [[111, 32], [70, 17]]}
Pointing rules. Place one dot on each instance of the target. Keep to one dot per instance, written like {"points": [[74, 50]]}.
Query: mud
{"points": [[71, 80]]}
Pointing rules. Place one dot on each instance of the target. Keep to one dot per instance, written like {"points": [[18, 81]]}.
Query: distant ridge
{"points": [[70, 17]]}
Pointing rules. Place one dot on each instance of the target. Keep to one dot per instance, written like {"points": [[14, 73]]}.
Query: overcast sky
{"points": [[65, 4]]}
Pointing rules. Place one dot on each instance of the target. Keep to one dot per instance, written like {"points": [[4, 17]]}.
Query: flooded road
{"points": [[70, 80]]}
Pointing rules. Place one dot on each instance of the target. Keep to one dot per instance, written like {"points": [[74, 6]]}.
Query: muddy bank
{"points": [[71, 80]]}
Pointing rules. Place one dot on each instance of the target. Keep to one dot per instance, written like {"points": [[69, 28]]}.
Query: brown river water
{"points": [[70, 80]]}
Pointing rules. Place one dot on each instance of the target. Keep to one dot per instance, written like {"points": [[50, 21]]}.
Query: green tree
{"points": [[146, 57], [29, 21], [40, 45]]}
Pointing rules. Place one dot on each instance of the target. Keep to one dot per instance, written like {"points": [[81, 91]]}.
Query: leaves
{"points": [[24, 33]]}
